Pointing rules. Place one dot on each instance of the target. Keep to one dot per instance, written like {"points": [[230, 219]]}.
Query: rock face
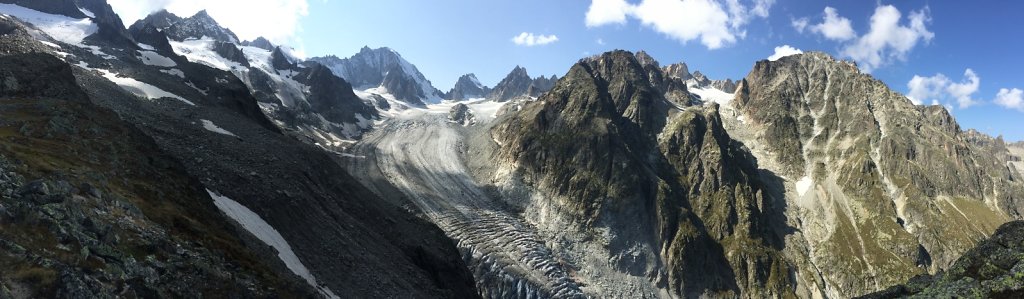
{"points": [[461, 114], [261, 43], [106, 189], [518, 83], [467, 87], [385, 69], [653, 190], [198, 26], [992, 269], [865, 163], [812, 166]]}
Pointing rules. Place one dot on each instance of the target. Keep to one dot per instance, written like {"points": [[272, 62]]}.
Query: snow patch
{"points": [[63, 28], [255, 225], [193, 86], [139, 88], [175, 72], [201, 51], [154, 59], [713, 95], [210, 126], [803, 185], [52, 45], [87, 12]]}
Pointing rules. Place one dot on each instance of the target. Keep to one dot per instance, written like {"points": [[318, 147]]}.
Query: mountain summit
{"points": [[518, 83], [467, 87], [383, 70]]}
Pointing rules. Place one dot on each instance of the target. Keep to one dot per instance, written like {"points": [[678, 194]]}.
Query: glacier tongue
{"points": [[418, 152]]}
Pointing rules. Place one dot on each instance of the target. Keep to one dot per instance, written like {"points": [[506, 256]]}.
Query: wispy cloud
{"points": [[939, 88], [1010, 98], [833, 27], [888, 39], [783, 51], [530, 39], [715, 23]]}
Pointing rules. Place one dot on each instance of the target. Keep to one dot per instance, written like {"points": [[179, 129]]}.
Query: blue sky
{"points": [[937, 41]]}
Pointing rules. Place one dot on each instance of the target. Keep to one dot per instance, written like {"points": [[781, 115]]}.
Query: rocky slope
{"points": [[385, 72], [200, 195], [992, 269], [809, 166], [518, 84]]}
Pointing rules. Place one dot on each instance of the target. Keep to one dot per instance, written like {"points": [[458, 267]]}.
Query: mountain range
{"points": [[170, 158]]}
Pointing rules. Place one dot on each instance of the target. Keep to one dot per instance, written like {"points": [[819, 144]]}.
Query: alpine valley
{"points": [[169, 158]]}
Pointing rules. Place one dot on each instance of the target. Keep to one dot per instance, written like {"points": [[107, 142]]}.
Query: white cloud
{"points": [[962, 91], [600, 41], [530, 40], [800, 24], [603, 12], [277, 20], [714, 23], [888, 40], [834, 27], [940, 88], [783, 51], [1010, 98]]}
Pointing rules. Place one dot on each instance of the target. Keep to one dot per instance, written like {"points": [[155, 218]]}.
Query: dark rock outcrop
{"points": [[461, 114]]}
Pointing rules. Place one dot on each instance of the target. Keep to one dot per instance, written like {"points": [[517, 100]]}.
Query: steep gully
{"points": [[418, 153]]}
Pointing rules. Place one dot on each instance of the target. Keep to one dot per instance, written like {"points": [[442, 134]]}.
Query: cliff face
{"points": [[812, 166], [875, 176], [657, 190]]}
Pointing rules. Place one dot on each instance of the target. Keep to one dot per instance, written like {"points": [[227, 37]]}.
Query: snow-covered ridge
{"points": [[201, 51], [381, 61], [262, 230]]}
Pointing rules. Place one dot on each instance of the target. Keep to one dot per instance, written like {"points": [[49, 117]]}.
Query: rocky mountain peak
{"points": [[467, 87], [161, 19], [634, 156], [197, 26], [518, 83], [386, 68], [260, 42], [646, 59], [678, 70]]}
